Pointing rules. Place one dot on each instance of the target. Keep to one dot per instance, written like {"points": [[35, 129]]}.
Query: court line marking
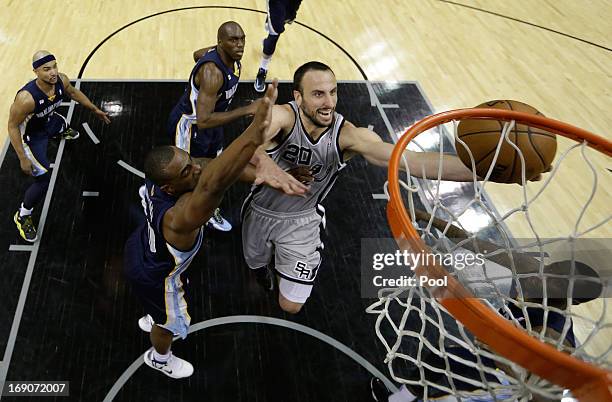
{"points": [[382, 196], [130, 169], [371, 127], [90, 193], [257, 319], [23, 295], [21, 247], [390, 106], [90, 133]]}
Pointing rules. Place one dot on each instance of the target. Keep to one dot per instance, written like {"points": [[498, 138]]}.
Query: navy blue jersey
{"points": [[162, 261], [187, 103], [44, 106]]}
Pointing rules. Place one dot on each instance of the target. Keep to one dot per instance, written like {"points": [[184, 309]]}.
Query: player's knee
{"points": [[289, 306]]}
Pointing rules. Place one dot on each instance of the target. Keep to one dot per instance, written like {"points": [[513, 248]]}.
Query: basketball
{"points": [[482, 137]]}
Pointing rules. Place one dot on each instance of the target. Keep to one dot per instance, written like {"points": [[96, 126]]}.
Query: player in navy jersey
{"points": [[196, 122], [179, 196], [280, 13], [32, 121]]}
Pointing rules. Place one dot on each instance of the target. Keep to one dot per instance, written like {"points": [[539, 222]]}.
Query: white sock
{"points": [[403, 395], [265, 61], [24, 212], [161, 358]]}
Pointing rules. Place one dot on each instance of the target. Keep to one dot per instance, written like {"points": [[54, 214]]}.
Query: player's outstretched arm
{"points": [[82, 99], [361, 141], [263, 170], [197, 207]]}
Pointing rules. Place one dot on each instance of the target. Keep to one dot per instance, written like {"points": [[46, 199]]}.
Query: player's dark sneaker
{"points": [[260, 80], [26, 227], [70, 134], [265, 278]]}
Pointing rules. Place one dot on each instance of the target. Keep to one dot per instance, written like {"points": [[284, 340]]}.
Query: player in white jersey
{"points": [[309, 133]]}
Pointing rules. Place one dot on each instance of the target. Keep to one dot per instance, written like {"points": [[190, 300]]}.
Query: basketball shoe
{"points": [[175, 367], [70, 134], [260, 80], [218, 222], [26, 227]]}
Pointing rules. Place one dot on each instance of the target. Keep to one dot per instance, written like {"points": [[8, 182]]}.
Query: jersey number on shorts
{"points": [[300, 156]]}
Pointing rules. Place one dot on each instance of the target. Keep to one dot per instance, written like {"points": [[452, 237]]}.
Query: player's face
{"points": [[233, 43], [48, 73], [319, 97], [185, 172]]}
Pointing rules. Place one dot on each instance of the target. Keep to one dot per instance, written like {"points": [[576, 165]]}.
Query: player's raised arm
{"points": [[196, 208], [263, 170], [364, 142]]}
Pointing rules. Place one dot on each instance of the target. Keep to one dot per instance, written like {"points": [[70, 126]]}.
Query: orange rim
{"points": [[588, 382]]}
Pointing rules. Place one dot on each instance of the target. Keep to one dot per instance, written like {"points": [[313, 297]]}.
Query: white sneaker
{"points": [[175, 367], [146, 323], [218, 222]]}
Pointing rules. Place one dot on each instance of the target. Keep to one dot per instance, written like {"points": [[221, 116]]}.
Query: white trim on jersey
{"points": [[182, 136], [24, 124], [177, 317], [37, 168]]}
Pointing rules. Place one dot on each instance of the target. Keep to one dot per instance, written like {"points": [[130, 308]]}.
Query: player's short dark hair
{"points": [[155, 164], [303, 69]]}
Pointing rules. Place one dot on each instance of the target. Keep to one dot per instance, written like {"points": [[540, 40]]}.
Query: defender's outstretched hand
{"points": [[263, 115], [269, 173]]}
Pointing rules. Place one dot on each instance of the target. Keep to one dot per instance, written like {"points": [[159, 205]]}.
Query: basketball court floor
{"points": [[68, 314]]}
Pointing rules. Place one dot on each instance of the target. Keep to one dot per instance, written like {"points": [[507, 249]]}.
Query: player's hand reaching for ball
{"points": [[541, 175]]}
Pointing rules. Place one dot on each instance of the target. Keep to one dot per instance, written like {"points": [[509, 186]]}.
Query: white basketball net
{"points": [[431, 352]]}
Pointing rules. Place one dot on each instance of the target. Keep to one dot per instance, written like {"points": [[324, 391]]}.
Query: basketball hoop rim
{"points": [[584, 379]]}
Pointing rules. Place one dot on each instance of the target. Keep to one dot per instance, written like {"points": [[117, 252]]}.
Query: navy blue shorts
{"points": [[35, 143], [199, 143], [151, 289], [280, 11]]}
